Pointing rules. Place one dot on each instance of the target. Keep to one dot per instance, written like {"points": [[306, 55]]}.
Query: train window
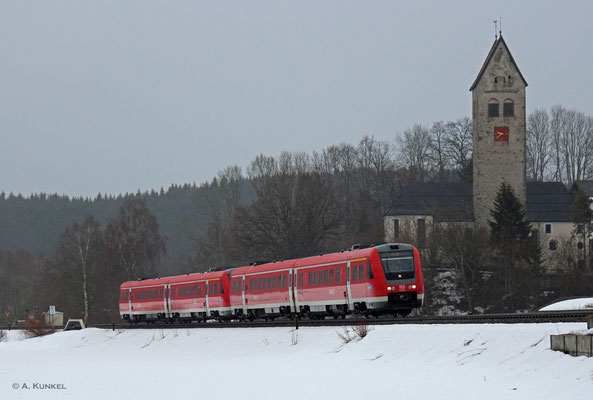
{"points": [[235, 286], [315, 277], [289, 280], [331, 275], [221, 288], [354, 275], [199, 290], [310, 278], [274, 282], [150, 294], [360, 272], [283, 281], [251, 284], [325, 276], [369, 270], [259, 286], [300, 280], [337, 275]]}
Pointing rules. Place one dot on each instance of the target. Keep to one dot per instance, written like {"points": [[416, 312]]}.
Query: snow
{"points": [[494, 361], [568, 305]]}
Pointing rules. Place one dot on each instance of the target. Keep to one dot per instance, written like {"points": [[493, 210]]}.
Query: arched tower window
{"points": [[493, 108], [509, 108]]}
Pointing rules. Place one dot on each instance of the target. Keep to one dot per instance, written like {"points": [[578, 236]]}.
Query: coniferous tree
{"points": [[509, 217], [582, 215]]}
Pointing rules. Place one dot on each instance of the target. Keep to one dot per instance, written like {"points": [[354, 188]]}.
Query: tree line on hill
{"points": [[54, 250]]}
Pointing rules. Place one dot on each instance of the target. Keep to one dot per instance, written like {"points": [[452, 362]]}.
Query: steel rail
{"points": [[534, 317]]}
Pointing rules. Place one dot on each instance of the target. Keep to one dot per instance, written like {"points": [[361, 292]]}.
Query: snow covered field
{"points": [[572, 305], [408, 361]]}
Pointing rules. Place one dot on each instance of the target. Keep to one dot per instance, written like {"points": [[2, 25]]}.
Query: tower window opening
{"points": [[508, 108], [493, 108]]}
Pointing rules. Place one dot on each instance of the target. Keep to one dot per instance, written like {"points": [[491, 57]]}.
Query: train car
{"points": [[262, 290], [383, 279], [181, 298]]}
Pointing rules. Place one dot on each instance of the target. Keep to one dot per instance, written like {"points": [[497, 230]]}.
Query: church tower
{"points": [[499, 130]]}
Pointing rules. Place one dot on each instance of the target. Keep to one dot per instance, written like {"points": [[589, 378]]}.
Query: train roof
{"points": [[173, 279], [319, 259]]}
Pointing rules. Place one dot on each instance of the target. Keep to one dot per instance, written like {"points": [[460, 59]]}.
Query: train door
{"points": [[166, 301], [130, 303], [243, 281], [348, 292], [207, 300], [292, 290]]}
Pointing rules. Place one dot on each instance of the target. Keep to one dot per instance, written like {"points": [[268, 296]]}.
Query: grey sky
{"points": [[115, 96]]}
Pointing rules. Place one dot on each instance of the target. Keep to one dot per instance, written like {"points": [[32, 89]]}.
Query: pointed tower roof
{"points": [[498, 41]]}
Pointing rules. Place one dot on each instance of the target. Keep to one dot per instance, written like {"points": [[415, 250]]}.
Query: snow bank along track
{"points": [[535, 317]]}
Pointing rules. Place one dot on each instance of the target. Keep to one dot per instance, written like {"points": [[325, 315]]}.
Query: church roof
{"points": [[587, 186], [548, 202], [453, 202], [498, 41]]}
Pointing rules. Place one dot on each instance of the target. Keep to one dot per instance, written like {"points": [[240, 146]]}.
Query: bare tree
{"points": [[459, 142], [538, 145], [572, 137], [133, 239], [466, 250], [438, 149], [295, 212], [413, 150]]}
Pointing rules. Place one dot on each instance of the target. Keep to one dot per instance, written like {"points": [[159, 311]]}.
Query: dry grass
{"points": [[35, 329], [361, 330], [346, 335], [349, 334]]}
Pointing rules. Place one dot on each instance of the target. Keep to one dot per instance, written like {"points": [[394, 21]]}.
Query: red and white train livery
{"points": [[382, 279]]}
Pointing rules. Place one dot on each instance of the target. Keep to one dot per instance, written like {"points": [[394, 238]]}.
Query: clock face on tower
{"points": [[501, 133]]}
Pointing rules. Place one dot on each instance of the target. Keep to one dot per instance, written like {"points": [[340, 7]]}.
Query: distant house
{"points": [[499, 143]]}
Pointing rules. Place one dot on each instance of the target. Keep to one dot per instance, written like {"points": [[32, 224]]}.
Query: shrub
{"points": [[34, 328]]}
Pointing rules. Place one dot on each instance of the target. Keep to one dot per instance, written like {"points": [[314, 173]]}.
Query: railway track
{"points": [[534, 317]]}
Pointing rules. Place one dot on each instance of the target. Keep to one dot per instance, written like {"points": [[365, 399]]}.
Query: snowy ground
{"points": [[420, 361], [571, 305]]}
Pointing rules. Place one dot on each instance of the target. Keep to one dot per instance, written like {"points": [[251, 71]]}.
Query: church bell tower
{"points": [[499, 130]]}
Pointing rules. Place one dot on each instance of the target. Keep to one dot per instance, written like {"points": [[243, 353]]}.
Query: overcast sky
{"points": [[116, 96]]}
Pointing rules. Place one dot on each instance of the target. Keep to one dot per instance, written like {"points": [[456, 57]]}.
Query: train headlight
{"points": [[389, 287], [412, 287]]}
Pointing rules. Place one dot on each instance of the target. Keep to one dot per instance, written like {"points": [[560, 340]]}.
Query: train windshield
{"points": [[398, 264]]}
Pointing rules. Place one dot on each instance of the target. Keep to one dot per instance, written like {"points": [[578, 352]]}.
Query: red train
{"points": [[380, 279]]}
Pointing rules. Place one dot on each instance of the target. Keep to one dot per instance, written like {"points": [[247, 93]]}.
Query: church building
{"points": [[499, 155]]}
